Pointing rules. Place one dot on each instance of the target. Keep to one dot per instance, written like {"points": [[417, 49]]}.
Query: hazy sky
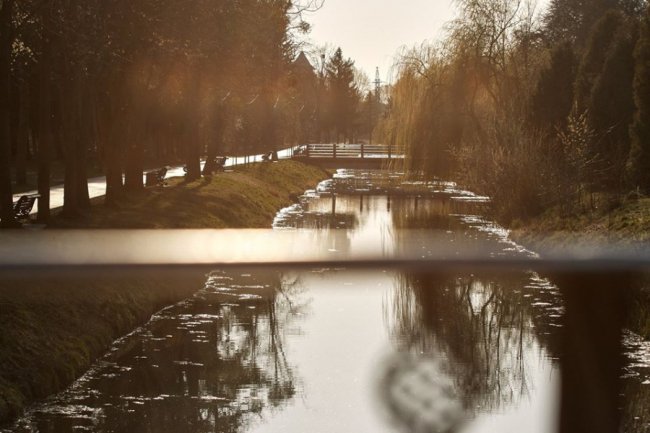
{"points": [[372, 31]]}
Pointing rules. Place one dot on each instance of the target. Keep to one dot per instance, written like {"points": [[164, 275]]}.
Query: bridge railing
{"points": [[358, 151]]}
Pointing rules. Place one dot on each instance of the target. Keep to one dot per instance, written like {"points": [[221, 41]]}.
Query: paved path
{"points": [[97, 185]]}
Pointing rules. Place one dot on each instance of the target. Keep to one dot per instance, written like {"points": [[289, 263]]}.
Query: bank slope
{"points": [[248, 197]]}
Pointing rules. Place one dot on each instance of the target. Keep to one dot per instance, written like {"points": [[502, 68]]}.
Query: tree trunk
{"points": [[45, 131], [193, 153], [83, 125], [22, 135], [133, 165], [6, 197], [112, 137], [193, 144], [114, 175], [215, 143], [134, 150], [70, 137]]}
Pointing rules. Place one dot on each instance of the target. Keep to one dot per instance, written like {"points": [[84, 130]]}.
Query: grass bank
{"points": [[627, 224], [54, 327], [248, 197]]}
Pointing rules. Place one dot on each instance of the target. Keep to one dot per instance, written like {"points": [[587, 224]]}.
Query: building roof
{"points": [[302, 62]]}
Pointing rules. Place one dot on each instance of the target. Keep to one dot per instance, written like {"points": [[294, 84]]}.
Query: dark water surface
{"points": [[334, 350]]}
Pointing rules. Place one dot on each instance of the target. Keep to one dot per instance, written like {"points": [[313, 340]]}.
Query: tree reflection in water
{"points": [[213, 363], [476, 331]]}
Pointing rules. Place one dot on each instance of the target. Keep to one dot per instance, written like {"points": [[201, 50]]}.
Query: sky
{"points": [[372, 31]]}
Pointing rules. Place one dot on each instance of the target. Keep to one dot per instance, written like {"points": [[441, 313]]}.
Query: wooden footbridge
{"points": [[349, 155]]}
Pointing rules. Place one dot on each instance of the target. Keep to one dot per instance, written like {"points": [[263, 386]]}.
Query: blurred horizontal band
{"points": [[209, 249]]}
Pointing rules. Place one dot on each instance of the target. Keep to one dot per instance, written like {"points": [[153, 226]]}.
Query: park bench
{"points": [[156, 177], [301, 151], [24, 205], [220, 162], [271, 156], [216, 164]]}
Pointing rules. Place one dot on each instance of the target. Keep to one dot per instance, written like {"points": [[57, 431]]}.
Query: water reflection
{"points": [[483, 327], [211, 363], [479, 342]]}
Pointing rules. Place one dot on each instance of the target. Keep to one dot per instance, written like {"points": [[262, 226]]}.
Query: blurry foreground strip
{"points": [[426, 250]]}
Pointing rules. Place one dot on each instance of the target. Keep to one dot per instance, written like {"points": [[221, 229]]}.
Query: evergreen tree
{"points": [[638, 164], [572, 20], [610, 110], [343, 93], [600, 41], [553, 97]]}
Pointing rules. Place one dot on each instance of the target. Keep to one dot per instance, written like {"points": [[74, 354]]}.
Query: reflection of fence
{"points": [[591, 282]]}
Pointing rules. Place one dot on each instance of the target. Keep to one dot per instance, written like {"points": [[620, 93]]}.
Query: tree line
{"points": [[535, 109], [127, 85], [338, 97]]}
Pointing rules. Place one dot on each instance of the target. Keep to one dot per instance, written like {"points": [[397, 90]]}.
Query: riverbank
{"points": [[626, 224], [246, 197], [54, 328]]}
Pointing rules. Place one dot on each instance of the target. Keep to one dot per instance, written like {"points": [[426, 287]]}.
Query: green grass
{"points": [[53, 328], [248, 197]]}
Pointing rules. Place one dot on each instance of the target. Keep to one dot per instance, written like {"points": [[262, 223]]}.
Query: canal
{"points": [[336, 350]]}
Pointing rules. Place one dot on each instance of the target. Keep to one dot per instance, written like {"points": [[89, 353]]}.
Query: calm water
{"points": [[332, 350]]}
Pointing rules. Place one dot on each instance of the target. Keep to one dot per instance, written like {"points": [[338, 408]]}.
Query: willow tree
{"points": [[398, 128], [427, 110], [464, 103]]}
